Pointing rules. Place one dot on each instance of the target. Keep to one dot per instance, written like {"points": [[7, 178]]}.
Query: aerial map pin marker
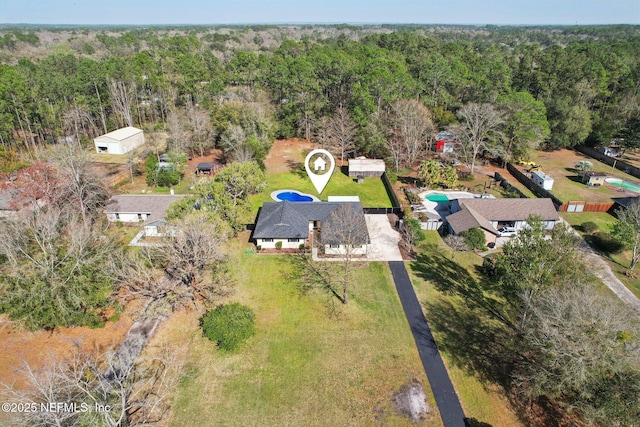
{"points": [[319, 165]]}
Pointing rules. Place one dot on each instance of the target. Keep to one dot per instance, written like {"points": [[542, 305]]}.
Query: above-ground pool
{"points": [[436, 197], [627, 185], [292, 196]]}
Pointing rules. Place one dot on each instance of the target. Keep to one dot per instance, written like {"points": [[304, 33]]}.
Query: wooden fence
{"points": [[586, 206]]}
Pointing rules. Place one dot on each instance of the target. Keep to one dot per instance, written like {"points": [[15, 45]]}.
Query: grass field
{"points": [[567, 186], [433, 274], [619, 262], [304, 367], [371, 192]]}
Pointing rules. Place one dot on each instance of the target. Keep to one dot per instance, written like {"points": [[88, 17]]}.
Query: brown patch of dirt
{"points": [[287, 154], [37, 348], [214, 156]]}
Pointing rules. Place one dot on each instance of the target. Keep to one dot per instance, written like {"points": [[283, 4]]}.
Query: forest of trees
{"points": [[348, 87]]}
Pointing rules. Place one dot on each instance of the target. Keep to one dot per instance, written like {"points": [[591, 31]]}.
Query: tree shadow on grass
{"points": [[471, 329], [308, 275], [476, 343], [451, 278]]}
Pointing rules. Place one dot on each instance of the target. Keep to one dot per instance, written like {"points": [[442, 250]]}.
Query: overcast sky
{"points": [[148, 12]]}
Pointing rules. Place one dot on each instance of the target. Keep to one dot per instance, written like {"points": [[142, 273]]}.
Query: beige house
{"points": [[492, 214], [119, 141]]}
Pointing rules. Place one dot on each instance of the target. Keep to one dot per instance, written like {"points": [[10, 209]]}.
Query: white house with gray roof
{"points": [[293, 224], [134, 208]]}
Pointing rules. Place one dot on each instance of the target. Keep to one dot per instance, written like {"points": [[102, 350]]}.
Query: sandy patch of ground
{"points": [[411, 401], [287, 154], [37, 348]]}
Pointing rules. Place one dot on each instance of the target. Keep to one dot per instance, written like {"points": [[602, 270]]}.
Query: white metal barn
{"points": [[119, 141]]}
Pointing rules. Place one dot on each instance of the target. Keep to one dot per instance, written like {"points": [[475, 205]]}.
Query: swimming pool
{"points": [[437, 197], [292, 196], [627, 185]]}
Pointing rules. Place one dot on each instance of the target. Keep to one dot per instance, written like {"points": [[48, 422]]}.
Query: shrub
{"points": [[278, 245], [606, 242], [466, 176], [589, 227], [229, 325], [474, 238]]}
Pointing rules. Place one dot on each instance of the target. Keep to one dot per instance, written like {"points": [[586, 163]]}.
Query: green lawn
{"points": [[482, 183], [371, 192], [567, 186], [603, 220], [434, 275], [304, 367], [619, 262]]}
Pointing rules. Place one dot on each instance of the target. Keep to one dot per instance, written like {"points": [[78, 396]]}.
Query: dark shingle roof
{"points": [[286, 220]]}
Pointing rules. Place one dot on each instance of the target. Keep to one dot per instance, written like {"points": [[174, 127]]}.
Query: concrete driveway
{"points": [[384, 239]]}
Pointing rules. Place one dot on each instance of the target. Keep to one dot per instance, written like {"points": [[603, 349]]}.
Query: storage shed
{"points": [[593, 179], [542, 179], [119, 141], [366, 167]]}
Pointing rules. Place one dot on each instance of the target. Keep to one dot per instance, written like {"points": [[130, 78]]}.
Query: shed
{"points": [[119, 141], [593, 179], [366, 167], [207, 168], [542, 179]]}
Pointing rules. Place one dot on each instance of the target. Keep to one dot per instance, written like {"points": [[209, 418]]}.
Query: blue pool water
{"points": [[292, 196]]}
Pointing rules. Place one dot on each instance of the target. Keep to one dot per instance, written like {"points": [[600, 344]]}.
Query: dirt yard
{"points": [[36, 348], [287, 154]]}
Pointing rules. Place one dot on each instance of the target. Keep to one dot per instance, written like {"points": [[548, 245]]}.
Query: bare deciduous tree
{"points": [[122, 97], [478, 128], [346, 228], [456, 243], [195, 243], [138, 397], [584, 351], [84, 191], [341, 131], [414, 129]]}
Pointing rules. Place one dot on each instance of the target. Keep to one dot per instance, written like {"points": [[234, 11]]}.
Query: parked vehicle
{"points": [[507, 231]]}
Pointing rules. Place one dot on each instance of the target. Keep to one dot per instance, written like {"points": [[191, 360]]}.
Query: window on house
{"points": [[334, 246], [267, 240], [139, 217], [293, 240], [356, 246], [117, 217]]}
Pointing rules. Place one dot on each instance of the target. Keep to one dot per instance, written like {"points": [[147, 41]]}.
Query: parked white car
{"points": [[507, 231]]}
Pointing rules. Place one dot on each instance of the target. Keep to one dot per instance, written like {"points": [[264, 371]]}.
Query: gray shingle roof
{"points": [[287, 220], [156, 204]]}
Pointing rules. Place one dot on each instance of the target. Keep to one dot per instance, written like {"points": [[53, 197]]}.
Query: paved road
{"points": [[443, 391]]}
